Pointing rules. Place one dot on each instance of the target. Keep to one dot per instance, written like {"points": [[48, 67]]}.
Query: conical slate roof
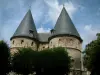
{"points": [[64, 25], [27, 27]]}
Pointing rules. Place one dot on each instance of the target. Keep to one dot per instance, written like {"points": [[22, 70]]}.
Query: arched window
{"points": [[32, 44], [43, 47], [22, 41], [13, 42], [51, 42], [70, 39]]}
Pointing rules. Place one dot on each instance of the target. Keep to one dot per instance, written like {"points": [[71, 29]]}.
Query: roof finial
{"points": [[63, 5], [30, 6]]}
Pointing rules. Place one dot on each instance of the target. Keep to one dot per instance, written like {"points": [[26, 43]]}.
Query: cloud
{"points": [[11, 13], [43, 12], [55, 9], [89, 34], [43, 30]]}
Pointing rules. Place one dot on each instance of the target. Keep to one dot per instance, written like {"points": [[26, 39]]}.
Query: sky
{"points": [[85, 15]]}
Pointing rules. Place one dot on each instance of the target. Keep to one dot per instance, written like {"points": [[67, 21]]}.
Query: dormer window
{"points": [[52, 31], [22, 41], [31, 32]]}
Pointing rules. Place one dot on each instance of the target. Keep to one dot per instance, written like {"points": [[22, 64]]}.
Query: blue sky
{"points": [[85, 15]]}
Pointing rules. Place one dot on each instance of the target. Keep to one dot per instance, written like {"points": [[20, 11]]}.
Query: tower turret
{"points": [[66, 35], [26, 34], [65, 26]]}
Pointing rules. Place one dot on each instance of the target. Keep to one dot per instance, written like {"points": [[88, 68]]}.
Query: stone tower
{"points": [[65, 35], [25, 35]]}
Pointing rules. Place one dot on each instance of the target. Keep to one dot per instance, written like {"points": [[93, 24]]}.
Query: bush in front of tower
{"points": [[5, 56], [55, 61], [22, 61]]}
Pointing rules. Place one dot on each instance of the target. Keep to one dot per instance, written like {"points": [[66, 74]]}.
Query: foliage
{"points": [[22, 61], [55, 61], [46, 62], [5, 56], [92, 55]]}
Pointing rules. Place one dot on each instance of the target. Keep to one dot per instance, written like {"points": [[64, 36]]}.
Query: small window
{"points": [[52, 31], [43, 47], [13, 42], [22, 41], [32, 44], [70, 39], [51, 42], [59, 39]]}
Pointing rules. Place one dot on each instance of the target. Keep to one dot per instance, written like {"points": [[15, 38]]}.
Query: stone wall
{"points": [[73, 46], [43, 46], [22, 42], [65, 41]]}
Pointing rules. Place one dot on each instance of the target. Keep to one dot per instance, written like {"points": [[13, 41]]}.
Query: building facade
{"points": [[64, 34]]}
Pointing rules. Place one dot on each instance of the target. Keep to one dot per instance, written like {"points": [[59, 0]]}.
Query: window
{"points": [[52, 31], [32, 44], [70, 39], [59, 39], [31, 32], [43, 47], [51, 42], [22, 41], [13, 42]]}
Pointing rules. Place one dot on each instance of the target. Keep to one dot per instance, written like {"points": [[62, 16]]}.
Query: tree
{"points": [[92, 56], [55, 61], [46, 62], [22, 61], [5, 56]]}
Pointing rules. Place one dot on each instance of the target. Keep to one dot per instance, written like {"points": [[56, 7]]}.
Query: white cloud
{"points": [[43, 30], [89, 34], [42, 11], [55, 9]]}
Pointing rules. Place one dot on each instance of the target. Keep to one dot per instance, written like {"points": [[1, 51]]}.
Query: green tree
{"points": [[55, 61], [5, 56], [92, 56], [22, 61], [46, 62]]}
